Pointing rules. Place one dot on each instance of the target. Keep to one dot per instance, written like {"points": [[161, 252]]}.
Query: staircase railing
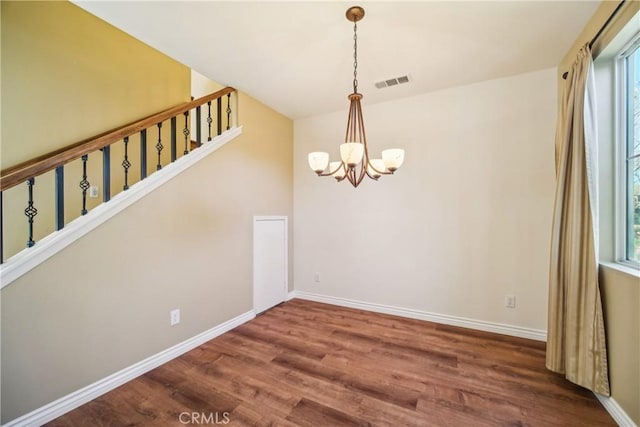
{"points": [[28, 171]]}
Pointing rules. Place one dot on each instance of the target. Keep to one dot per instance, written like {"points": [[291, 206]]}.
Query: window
{"points": [[629, 154]]}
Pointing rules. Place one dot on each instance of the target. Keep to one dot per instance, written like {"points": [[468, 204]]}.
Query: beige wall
{"points": [[596, 22], [103, 303], [464, 222], [620, 290], [621, 299]]}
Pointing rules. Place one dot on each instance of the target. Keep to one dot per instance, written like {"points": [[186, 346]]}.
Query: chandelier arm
{"points": [[363, 167], [381, 172], [363, 173], [359, 124], [354, 121], [352, 177], [331, 173], [363, 135], [366, 149], [366, 163], [349, 122], [370, 165], [360, 178], [375, 178]]}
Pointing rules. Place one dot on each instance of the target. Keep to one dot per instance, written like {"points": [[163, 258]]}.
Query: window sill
{"points": [[622, 268]]}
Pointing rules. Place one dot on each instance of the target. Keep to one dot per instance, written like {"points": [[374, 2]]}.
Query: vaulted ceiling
{"points": [[297, 56]]}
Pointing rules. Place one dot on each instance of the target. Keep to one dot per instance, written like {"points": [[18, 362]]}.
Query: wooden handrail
{"points": [[15, 175]]}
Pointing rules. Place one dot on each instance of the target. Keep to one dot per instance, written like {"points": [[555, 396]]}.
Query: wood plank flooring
{"points": [[309, 364]]}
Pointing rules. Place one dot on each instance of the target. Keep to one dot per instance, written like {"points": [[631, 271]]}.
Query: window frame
{"points": [[623, 212]]}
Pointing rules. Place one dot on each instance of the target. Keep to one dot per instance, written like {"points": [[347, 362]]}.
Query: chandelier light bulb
{"points": [[393, 158], [351, 153], [318, 161]]}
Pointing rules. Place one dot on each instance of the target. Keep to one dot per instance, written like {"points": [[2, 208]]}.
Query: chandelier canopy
{"points": [[355, 162]]}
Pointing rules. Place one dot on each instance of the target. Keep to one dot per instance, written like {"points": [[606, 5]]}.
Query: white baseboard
{"points": [[71, 401], [615, 410], [610, 405], [499, 328]]}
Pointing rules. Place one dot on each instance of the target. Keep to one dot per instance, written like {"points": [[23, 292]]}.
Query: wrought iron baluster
{"points": [[198, 126], [174, 131], [31, 211], [219, 113], [125, 163], [159, 146], [228, 111], [209, 120], [84, 184], [106, 173], [186, 132], [59, 197], [143, 154]]}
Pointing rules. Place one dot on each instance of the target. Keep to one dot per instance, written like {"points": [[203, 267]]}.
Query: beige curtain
{"points": [[576, 344]]}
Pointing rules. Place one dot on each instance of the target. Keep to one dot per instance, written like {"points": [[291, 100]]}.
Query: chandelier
{"points": [[355, 162]]}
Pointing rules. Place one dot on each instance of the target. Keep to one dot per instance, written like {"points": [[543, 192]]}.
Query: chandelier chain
{"points": [[355, 57]]}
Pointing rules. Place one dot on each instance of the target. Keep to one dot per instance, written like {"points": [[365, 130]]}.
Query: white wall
{"points": [[201, 85], [465, 221]]}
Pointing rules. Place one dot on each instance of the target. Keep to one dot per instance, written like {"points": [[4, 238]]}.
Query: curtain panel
{"points": [[576, 344]]}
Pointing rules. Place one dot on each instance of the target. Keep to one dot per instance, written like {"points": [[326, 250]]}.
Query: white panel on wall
{"points": [[269, 262]]}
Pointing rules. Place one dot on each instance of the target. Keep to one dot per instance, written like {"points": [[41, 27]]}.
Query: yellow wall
{"points": [[66, 76], [620, 290], [103, 302]]}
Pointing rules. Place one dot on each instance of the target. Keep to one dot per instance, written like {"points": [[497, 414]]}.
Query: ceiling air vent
{"points": [[392, 82]]}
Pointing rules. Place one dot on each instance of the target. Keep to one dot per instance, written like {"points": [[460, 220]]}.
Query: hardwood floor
{"points": [[309, 364]]}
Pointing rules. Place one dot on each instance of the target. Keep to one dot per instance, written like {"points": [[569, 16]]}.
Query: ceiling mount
{"points": [[355, 13]]}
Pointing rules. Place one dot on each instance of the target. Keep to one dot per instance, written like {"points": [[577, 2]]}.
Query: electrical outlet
{"points": [[316, 277], [510, 301], [175, 316], [93, 191]]}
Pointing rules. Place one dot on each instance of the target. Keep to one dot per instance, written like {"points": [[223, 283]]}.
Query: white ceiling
{"points": [[297, 56]]}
